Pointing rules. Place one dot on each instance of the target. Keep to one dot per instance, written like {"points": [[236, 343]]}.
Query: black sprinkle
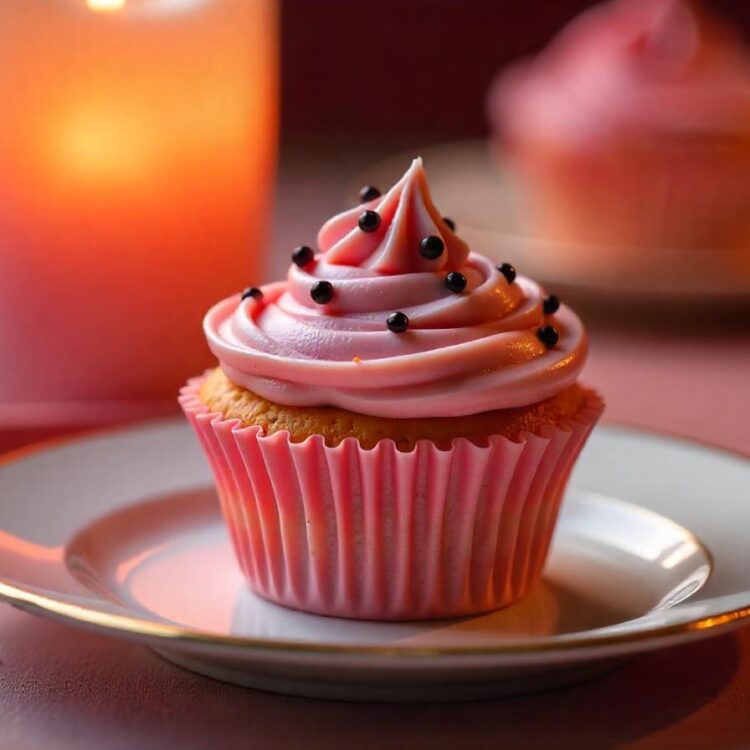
{"points": [[455, 281], [368, 193], [302, 256], [321, 292], [549, 336], [551, 305], [451, 224], [369, 221], [508, 271], [252, 291], [397, 322], [431, 247]]}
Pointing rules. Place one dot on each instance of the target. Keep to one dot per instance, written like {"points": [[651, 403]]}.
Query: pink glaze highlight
{"points": [[463, 353], [629, 67], [383, 534]]}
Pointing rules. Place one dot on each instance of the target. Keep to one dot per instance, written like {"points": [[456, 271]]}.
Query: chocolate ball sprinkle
{"points": [[455, 281], [368, 193], [551, 305], [508, 271], [302, 256], [321, 292], [369, 221], [431, 247], [397, 322], [252, 291], [451, 224], [549, 336]]}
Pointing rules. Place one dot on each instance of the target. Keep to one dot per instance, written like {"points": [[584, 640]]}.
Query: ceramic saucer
{"points": [[120, 532]]}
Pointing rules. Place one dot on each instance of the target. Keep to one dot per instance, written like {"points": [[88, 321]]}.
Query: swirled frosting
{"points": [[463, 353], [627, 67]]}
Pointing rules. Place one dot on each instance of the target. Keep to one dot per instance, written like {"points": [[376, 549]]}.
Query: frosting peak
{"points": [[671, 33], [407, 215]]}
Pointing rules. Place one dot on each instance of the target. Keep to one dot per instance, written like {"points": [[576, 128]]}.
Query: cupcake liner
{"points": [[384, 534]]}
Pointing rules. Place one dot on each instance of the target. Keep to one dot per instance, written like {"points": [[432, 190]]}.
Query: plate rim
{"points": [[181, 636]]}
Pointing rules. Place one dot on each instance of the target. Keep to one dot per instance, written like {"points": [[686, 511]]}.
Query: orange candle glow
{"points": [[137, 146]]}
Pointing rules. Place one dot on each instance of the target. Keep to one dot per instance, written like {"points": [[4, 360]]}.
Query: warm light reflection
{"points": [[23, 548], [106, 6], [713, 622], [681, 553]]}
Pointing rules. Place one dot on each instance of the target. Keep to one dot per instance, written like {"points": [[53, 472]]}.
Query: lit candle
{"points": [[137, 146]]}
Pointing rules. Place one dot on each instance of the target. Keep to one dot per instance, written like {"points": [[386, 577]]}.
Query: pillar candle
{"points": [[137, 146]]}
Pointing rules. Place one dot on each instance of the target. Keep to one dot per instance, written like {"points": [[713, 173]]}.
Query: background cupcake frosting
{"points": [[463, 353], [630, 65]]}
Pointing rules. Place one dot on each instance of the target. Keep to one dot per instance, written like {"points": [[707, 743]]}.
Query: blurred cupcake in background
{"points": [[632, 131]]}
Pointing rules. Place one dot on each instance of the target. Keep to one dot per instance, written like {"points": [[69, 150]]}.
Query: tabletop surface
{"points": [[64, 688]]}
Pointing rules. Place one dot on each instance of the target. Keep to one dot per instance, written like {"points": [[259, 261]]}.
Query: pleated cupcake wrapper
{"points": [[383, 534]]}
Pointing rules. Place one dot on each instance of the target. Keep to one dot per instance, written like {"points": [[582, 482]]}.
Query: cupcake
{"points": [[391, 429], [630, 138]]}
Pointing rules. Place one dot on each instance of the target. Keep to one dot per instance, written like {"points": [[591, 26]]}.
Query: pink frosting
{"points": [[462, 354], [630, 66]]}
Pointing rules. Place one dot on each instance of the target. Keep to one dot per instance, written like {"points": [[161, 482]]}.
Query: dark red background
{"points": [[406, 69]]}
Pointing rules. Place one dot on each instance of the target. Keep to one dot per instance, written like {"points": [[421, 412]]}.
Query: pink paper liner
{"points": [[382, 534]]}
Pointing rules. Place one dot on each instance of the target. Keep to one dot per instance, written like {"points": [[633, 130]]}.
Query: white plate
{"points": [[121, 533], [469, 185]]}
